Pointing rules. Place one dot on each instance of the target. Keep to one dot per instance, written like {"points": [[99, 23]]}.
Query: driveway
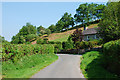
{"points": [[67, 66]]}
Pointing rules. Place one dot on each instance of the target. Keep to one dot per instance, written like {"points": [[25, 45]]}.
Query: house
{"points": [[90, 33]]}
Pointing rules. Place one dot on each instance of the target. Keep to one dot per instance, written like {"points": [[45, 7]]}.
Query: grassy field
{"points": [[27, 66], [91, 66], [61, 38]]}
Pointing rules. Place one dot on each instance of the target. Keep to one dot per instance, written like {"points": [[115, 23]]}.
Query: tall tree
{"points": [[26, 30], [41, 30], [48, 31], [52, 28], [110, 25], [99, 11], [68, 20], [65, 22], [82, 14]]}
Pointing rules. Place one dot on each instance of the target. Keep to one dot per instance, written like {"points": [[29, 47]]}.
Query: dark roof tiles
{"points": [[90, 31]]}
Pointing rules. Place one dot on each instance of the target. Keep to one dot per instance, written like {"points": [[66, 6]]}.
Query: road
{"points": [[67, 66]]}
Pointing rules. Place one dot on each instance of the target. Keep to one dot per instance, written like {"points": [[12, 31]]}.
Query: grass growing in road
{"points": [[91, 66], [27, 66]]}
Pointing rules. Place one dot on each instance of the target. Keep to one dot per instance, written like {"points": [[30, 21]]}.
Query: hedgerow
{"points": [[111, 52], [15, 52]]}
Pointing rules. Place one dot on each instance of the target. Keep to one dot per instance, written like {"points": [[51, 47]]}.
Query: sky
{"points": [[17, 14]]}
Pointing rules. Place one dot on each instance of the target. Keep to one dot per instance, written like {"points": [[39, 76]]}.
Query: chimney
{"points": [[85, 28]]}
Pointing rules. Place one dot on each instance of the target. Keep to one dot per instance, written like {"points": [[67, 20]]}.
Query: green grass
{"points": [[27, 66], [91, 66], [61, 38]]}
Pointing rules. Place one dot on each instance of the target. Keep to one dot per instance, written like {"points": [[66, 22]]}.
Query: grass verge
{"points": [[91, 66], [27, 66]]}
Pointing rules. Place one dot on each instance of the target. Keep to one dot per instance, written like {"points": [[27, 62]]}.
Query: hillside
{"points": [[64, 35]]}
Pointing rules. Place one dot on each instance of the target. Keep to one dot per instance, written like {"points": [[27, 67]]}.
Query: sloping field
{"points": [[64, 35]]}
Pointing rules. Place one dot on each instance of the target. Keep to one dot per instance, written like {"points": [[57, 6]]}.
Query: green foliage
{"points": [[14, 52], [18, 39], [64, 22], [26, 66], [2, 39], [86, 13], [48, 31], [67, 45], [77, 35], [52, 28], [27, 33], [80, 45], [57, 47], [91, 66], [111, 52], [110, 25], [51, 42], [42, 41], [28, 29], [87, 44], [41, 30], [31, 37]]}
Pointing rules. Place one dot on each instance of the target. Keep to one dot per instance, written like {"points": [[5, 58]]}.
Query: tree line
{"points": [[85, 13]]}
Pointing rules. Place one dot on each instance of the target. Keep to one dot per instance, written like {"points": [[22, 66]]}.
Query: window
{"points": [[95, 37], [87, 38]]}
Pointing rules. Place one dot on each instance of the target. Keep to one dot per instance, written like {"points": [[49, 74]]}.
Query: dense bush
{"points": [[67, 45], [94, 42], [15, 52], [87, 44], [91, 66], [45, 40], [51, 42], [80, 45], [57, 47], [111, 52], [40, 41], [31, 37]]}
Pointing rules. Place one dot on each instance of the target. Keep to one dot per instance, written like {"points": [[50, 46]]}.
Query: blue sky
{"points": [[17, 14]]}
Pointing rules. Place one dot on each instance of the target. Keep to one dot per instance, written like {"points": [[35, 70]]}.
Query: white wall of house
{"points": [[88, 37]]}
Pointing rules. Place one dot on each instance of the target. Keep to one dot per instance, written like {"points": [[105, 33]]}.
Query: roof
{"points": [[90, 31]]}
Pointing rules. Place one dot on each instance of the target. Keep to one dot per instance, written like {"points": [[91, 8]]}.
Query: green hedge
{"points": [[111, 52], [57, 47], [87, 44], [67, 45], [15, 52], [92, 69]]}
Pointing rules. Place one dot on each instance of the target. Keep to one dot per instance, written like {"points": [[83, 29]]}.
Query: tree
{"points": [[52, 28], [40, 30], [65, 22], [82, 14], [31, 37], [28, 29], [110, 25], [86, 13], [59, 25], [21, 37], [77, 35], [99, 11], [68, 20], [2, 39], [18, 39], [48, 31]]}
